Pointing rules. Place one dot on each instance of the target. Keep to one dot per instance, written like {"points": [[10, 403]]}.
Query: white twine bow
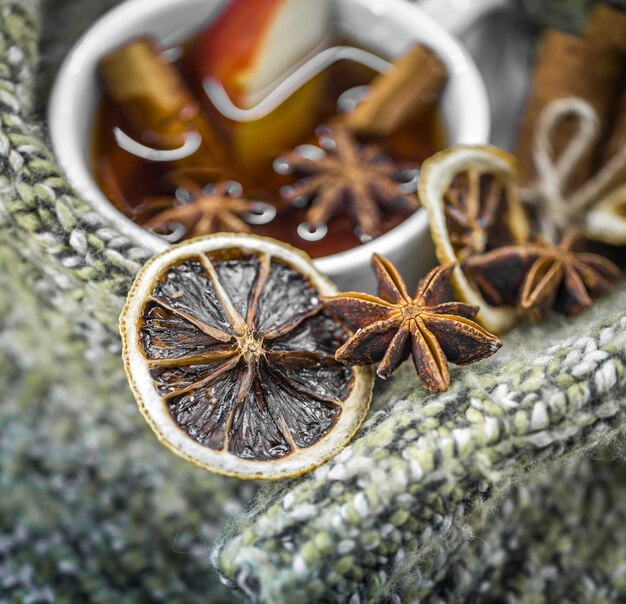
{"points": [[558, 210]]}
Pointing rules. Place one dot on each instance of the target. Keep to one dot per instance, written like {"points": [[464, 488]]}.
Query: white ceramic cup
{"points": [[386, 26]]}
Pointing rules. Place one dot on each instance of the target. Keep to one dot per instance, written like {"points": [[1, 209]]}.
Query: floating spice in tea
{"points": [[349, 174], [151, 94], [404, 92], [134, 182], [197, 211]]}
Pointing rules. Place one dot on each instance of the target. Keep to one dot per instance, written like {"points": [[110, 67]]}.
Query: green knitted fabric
{"points": [[412, 487], [92, 509], [559, 539]]}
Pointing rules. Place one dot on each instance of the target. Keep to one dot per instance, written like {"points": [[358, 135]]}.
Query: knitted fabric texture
{"points": [[94, 510], [412, 488]]}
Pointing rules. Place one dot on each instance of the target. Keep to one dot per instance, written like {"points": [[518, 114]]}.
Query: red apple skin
{"points": [[229, 49], [226, 48]]}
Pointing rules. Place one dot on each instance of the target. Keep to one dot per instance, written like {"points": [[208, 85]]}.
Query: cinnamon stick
{"points": [[153, 96], [607, 27], [567, 66], [400, 94]]}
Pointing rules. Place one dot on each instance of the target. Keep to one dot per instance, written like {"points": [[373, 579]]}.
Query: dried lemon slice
{"points": [[471, 196], [607, 220], [230, 355]]}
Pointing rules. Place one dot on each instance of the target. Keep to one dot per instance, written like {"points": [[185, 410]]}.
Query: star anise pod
{"points": [[200, 211], [482, 212], [395, 325], [541, 276], [351, 173]]}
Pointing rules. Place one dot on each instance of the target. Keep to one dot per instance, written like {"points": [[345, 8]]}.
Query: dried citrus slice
{"points": [[471, 196], [606, 221], [230, 355]]}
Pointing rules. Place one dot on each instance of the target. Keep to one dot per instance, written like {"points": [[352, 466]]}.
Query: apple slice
{"points": [[253, 43]]}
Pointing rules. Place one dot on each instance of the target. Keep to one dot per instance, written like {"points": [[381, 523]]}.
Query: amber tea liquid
{"points": [[251, 148]]}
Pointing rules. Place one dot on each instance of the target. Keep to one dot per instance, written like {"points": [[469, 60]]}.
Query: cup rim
{"points": [[77, 170]]}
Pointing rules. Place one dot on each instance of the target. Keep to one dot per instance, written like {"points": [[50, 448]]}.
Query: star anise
{"points": [[541, 276], [482, 212], [395, 325], [200, 211], [358, 175]]}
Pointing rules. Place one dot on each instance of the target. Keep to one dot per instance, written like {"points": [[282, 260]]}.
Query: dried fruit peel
{"points": [[153, 406], [436, 176], [606, 221]]}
